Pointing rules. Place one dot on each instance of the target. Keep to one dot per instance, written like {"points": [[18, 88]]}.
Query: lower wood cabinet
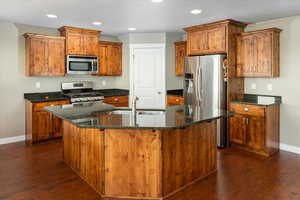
{"points": [[174, 100], [255, 128], [118, 101], [42, 125]]}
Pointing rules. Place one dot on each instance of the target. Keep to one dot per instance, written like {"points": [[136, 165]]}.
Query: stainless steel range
{"points": [[81, 91]]}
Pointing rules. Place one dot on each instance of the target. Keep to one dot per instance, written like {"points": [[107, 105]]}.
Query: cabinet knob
{"points": [[52, 105], [246, 109], [116, 99], [177, 100]]}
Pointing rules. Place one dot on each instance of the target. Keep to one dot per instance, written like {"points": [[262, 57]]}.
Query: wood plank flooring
{"points": [[38, 173]]}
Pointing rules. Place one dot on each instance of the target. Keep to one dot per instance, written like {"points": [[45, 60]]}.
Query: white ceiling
{"points": [[118, 15]]}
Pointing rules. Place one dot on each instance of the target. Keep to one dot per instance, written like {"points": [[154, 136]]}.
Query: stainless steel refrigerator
{"points": [[205, 87]]}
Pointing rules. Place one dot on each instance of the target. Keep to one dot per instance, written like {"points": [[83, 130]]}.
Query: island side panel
{"points": [[188, 155], [84, 153], [133, 163]]}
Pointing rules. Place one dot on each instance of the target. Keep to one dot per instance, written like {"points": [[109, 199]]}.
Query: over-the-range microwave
{"points": [[82, 64]]}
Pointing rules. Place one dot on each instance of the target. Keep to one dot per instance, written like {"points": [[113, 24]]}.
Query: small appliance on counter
{"points": [[205, 86], [81, 91], [82, 64]]}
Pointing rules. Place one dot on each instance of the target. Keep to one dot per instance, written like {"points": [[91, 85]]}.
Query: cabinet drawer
{"points": [[174, 100], [38, 107], [116, 99], [247, 109]]}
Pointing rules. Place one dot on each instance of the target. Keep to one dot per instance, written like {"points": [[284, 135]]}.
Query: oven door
{"points": [[82, 65]]}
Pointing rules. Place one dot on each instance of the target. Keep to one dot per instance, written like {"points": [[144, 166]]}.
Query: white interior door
{"points": [[148, 75]]}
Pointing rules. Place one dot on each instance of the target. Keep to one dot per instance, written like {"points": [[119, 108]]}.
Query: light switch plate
{"points": [[37, 84], [270, 86], [253, 86]]}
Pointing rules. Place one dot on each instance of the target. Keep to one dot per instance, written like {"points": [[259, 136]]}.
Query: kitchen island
{"points": [[151, 154]]}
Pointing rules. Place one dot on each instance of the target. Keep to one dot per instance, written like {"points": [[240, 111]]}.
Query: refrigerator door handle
{"points": [[200, 84]]}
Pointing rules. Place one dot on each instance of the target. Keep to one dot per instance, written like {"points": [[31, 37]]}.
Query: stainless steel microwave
{"points": [[82, 64]]}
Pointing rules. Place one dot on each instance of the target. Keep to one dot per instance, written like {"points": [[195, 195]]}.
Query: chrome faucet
{"points": [[133, 105]]}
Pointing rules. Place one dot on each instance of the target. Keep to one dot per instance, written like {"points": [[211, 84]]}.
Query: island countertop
{"points": [[104, 116]]}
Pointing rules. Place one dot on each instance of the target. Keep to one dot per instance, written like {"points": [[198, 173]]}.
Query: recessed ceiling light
{"points": [[51, 16], [157, 1], [97, 23], [131, 29], [196, 11]]}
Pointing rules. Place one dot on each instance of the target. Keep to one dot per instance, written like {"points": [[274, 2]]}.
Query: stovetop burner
{"points": [[81, 92]]}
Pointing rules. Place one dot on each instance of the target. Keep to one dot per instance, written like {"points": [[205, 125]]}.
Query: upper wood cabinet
{"points": [[45, 55], [258, 53], [110, 58], [80, 41], [209, 38], [180, 53]]}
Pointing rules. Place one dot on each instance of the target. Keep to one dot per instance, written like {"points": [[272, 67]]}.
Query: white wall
{"points": [[13, 82], [287, 85]]}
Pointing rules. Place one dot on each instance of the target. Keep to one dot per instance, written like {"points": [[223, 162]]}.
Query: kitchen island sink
{"points": [[150, 155]]}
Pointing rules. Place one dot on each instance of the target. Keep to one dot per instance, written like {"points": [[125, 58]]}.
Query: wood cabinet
{"points": [[42, 125], [258, 53], [45, 55], [209, 38], [80, 41], [180, 53], [174, 100], [255, 128], [110, 58], [118, 101]]}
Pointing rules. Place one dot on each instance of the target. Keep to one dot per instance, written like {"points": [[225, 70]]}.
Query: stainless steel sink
{"points": [[138, 112]]}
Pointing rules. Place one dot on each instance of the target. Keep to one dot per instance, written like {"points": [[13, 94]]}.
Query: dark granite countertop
{"points": [[102, 116], [259, 100], [45, 97], [177, 92], [58, 96]]}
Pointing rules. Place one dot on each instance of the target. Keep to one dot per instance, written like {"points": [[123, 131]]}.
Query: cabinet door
{"points": [[256, 133], [116, 60], [263, 54], [42, 126], [37, 56], [238, 129], [56, 126], [180, 53], [197, 42], [246, 56], [75, 44], [216, 40], [90, 44], [103, 59], [56, 57]]}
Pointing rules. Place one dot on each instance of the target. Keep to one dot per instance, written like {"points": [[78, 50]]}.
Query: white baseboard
{"points": [[289, 148], [12, 139]]}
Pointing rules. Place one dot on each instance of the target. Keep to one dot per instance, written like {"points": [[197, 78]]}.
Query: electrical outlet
{"points": [[253, 86], [104, 83], [270, 86], [38, 85]]}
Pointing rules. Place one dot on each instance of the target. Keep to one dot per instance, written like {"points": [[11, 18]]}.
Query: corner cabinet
{"points": [[255, 128], [45, 55], [180, 53], [258, 53], [80, 41], [42, 125], [110, 58]]}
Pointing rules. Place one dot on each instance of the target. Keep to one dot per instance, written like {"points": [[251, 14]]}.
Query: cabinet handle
{"points": [[177, 100], [247, 121], [246, 109], [116, 99]]}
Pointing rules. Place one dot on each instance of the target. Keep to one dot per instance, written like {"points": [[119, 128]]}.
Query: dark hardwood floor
{"points": [[38, 173]]}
